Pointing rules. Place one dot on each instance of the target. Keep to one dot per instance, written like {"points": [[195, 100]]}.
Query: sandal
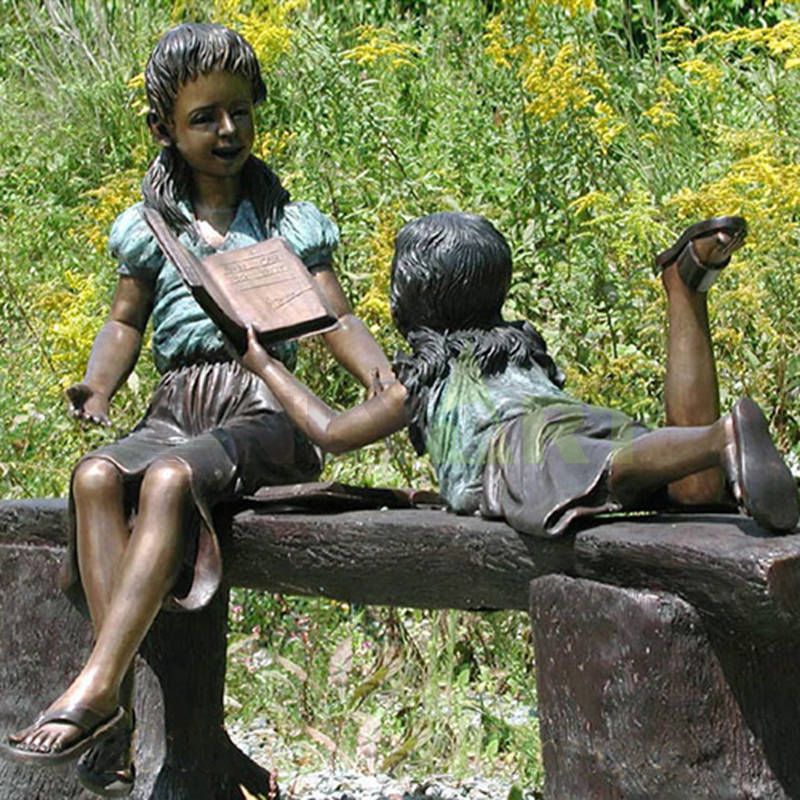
{"points": [[760, 481], [107, 769], [93, 726], [694, 273]]}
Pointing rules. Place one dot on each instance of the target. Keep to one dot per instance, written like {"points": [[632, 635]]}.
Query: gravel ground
{"points": [[329, 785]]}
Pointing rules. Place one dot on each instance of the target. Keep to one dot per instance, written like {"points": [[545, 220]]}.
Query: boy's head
{"points": [[450, 271], [192, 49]]}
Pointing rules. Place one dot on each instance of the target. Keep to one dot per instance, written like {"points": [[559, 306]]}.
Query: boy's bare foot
{"points": [[758, 476]]}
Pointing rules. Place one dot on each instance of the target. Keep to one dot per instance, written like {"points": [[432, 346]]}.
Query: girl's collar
{"points": [[208, 235]]}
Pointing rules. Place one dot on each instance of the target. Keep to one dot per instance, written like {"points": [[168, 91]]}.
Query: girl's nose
{"points": [[226, 126]]}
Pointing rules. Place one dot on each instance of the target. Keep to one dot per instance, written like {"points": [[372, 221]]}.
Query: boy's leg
{"points": [[691, 391], [148, 570], [738, 445], [660, 457]]}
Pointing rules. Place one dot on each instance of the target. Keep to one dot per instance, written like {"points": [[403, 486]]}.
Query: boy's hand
{"points": [[87, 404], [255, 358]]}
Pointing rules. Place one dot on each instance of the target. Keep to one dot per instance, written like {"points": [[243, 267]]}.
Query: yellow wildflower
{"points": [[676, 39], [781, 41], [592, 201], [660, 115], [140, 104], [381, 44], [77, 304], [666, 88], [497, 46], [272, 145], [702, 73], [266, 26], [373, 305], [105, 203], [760, 186], [569, 80], [605, 124]]}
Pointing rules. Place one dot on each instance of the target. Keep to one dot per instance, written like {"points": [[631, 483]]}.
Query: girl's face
{"points": [[212, 124]]}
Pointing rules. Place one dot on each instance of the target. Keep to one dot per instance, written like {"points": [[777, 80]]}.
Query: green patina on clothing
{"points": [[463, 413], [182, 332]]}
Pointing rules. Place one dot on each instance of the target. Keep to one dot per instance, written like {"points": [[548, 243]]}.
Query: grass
{"points": [[591, 133], [386, 689]]}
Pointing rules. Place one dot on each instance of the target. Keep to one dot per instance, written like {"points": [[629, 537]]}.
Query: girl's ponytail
{"points": [[166, 182], [265, 191]]}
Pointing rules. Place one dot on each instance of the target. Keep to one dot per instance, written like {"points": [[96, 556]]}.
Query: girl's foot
{"points": [[107, 768], [702, 251], [68, 728], [758, 476]]}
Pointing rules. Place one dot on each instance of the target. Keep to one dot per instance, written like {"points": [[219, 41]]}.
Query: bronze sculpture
{"points": [[143, 532], [485, 399]]}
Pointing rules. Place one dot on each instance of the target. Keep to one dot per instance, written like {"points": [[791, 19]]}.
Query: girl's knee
{"points": [[95, 476], [166, 477]]}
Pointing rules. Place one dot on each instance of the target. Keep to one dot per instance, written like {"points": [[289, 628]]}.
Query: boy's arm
{"points": [[114, 351], [380, 416], [351, 344]]}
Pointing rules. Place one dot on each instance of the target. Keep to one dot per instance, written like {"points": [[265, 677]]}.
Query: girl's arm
{"points": [[351, 344], [381, 415], [114, 351]]}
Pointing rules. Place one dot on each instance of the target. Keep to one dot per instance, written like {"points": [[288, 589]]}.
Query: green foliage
{"points": [[386, 689]]}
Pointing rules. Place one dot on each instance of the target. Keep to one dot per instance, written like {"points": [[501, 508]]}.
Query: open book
{"points": [[264, 285]]}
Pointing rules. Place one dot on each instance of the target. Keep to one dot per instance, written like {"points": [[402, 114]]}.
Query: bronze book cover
{"points": [[264, 285]]}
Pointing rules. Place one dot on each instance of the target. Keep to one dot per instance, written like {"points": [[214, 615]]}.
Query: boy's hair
{"points": [[182, 54], [450, 275], [450, 271], [192, 49]]}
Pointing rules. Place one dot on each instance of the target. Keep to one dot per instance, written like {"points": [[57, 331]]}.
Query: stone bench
{"points": [[667, 648]]}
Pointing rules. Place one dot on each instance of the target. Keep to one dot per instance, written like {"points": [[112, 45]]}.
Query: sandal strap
{"points": [[81, 717], [694, 273], [736, 227]]}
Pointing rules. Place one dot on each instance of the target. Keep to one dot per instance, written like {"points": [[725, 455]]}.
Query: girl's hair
{"points": [[450, 276], [181, 55]]}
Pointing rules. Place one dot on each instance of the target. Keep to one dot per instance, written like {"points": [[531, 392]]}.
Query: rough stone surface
{"points": [[637, 700]]}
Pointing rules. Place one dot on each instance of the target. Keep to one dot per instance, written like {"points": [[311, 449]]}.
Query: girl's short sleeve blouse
{"points": [[182, 332]]}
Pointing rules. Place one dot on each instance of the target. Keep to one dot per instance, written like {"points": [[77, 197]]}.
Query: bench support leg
{"points": [[637, 700], [183, 751], [43, 643]]}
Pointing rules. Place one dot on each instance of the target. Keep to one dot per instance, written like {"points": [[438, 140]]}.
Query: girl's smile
{"points": [[212, 124]]}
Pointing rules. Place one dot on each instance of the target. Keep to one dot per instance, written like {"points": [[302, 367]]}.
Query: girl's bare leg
{"points": [[691, 390], [102, 536], [102, 532], [148, 570]]}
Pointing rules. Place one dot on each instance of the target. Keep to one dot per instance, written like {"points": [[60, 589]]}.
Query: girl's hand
{"points": [[378, 384], [88, 405], [255, 358]]}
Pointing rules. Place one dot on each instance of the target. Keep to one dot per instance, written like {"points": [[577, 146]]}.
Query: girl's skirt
{"points": [[225, 425], [550, 467]]}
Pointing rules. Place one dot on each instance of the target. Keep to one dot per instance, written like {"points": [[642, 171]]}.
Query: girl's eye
{"points": [[241, 112], [201, 119]]}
